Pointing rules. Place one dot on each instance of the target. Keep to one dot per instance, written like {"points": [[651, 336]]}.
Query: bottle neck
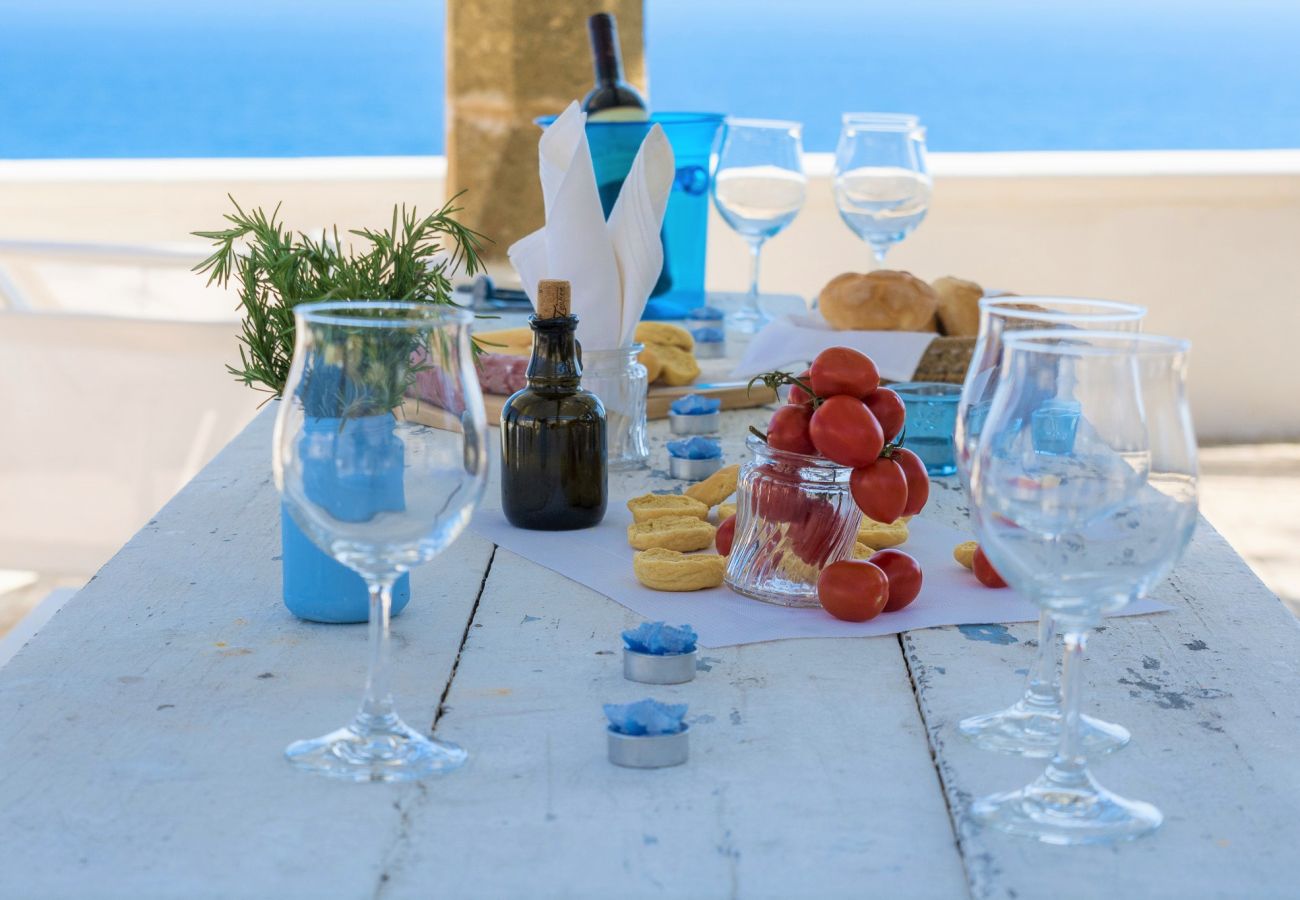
{"points": [[604, 49], [555, 363]]}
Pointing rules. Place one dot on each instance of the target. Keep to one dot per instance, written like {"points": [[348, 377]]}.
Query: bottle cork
{"points": [[552, 299]]}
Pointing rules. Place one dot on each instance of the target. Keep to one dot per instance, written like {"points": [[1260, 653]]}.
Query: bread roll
{"points": [[959, 306], [883, 300]]}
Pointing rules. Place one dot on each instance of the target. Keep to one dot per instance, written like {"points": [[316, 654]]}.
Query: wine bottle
{"points": [[612, 99], [553, 433]]}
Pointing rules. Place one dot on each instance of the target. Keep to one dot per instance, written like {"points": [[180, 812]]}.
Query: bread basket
{"points": [[946, 360]]}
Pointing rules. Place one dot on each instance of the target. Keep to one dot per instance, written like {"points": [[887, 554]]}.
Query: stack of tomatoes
{"points": [[837, 409]]}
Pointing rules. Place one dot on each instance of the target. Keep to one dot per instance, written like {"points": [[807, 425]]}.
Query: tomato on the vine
{"points": [[880, 490], [843, 370], [789, 430], [798, 396], [853, 590], [776, 496], [844, 431], [889, 411], [918, 480], [984, 571], [904, 574], [812, 535], [725, 535]]}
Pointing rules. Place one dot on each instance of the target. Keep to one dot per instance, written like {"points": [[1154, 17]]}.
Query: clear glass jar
{"points": [[794, 516], [620, 381]]}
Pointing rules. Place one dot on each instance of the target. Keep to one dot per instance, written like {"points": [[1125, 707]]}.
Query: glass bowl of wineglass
{"points": [[882, 181], [759, 187]]}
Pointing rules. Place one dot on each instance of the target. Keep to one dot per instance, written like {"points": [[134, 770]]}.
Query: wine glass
{"points": [[1083, 490], [1032, 725], [882, 182], [758, 187], [378, 492]]}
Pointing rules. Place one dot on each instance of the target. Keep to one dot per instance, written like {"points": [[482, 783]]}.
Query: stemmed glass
{"points": [[1083, 491], [882, 182], [758, 187], [1032, 725], [379, 493]]}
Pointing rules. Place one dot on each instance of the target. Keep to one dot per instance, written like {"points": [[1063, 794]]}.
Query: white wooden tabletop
{"points": [[142, 731]]}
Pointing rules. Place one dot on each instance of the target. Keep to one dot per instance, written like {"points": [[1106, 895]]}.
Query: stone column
{"points": [[508, 62]]}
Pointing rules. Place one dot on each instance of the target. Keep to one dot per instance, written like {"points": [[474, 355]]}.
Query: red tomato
{"points": [[880, 490], [889, 411], [844, 431], [725, 535], [984, 570], [812, 535], [776, 498], [918, 480], [798, 396], [788, 430], [904, 574], [853, 590], [843, 370]]}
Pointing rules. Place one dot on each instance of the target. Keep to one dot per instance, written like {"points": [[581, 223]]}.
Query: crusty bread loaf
{"points": [[959, 306], [883, 300]]}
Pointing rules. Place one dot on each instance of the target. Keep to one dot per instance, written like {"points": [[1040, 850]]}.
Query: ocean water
{"points": [[142, 78]]}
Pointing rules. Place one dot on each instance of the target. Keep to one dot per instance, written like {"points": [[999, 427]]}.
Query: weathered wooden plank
{"points": [[142, 729], [1209, 693], [809, 775]]}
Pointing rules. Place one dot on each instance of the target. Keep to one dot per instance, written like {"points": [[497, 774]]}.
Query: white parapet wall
{"points": [[1209, 241]]}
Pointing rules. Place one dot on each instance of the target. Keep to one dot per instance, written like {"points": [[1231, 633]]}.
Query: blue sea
{"points": [[145, 78]]}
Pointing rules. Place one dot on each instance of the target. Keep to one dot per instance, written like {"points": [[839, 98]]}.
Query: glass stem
{"points": [[1043, 692], [755, 247], [376, 711], [1069, 768]]}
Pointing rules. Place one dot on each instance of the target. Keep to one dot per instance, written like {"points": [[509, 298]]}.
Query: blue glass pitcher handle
{"points": [[692, 179]]}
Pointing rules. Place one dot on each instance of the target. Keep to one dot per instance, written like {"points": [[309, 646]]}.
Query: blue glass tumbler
{"points": [[931, 420]]}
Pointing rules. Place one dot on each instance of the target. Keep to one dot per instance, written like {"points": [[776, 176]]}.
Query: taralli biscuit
{"points": [[656, 506], [682, 533], [679, 366], [717, 487], [879, 536], [654, 367], [663, 333], [862, 551], [726, 511], [965, 553], [669, 570]]}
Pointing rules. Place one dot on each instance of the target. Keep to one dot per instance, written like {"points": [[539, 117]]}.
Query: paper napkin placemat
{"points": [[794, 339]]}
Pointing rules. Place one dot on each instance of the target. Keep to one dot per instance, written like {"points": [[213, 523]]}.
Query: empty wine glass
{"points": [[1032, 725], [758, 187], [882, 182], [1083, 491], [379, 493]]}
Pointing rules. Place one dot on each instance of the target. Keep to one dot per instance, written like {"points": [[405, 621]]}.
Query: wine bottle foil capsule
{"points": [[663, 668], [693, 469], [699, 423], [649, 751]]}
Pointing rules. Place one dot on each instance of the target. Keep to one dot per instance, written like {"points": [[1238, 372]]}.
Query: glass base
{"points": [[392, 752], [747, 320], [1036, 733], [1085, 813]]}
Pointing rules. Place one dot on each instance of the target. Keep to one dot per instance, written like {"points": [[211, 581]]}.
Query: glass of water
{"points": [[1083, 530], [882, 182], [758, 188]]}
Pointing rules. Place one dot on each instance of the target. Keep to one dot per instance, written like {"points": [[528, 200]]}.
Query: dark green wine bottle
{"points": [[552, 432]]}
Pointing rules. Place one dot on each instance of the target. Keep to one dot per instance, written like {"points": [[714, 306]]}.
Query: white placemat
{"points": [[796, 339], [601, 559]]}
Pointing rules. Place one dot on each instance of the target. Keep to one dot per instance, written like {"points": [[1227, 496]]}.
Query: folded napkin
{"points": [[797, 339], [612, 266]]}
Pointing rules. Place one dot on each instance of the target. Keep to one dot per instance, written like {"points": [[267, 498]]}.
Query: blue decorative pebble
{"points": [[709, 335], [646, 717], [707, 314], [660, 639], [696, 448], [695, 405]]}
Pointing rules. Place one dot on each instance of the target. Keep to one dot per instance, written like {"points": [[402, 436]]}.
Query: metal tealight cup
{"points": [[658, 668], [649, 751]]}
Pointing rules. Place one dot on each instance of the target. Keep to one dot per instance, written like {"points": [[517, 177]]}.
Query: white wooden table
{"points": [[142, 730]]}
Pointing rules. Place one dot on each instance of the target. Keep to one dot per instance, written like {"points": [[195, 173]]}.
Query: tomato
{"points": [[853, 590], [918, 480], [798, 396], [788, 430], [776, 497], [843, 370], [880, 490], [812, 535], [726, 533], [844, 431], [984, 570], [904, 574], [889, 411]]}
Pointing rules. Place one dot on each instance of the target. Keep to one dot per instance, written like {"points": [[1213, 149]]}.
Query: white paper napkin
{"points": [[796, 339], [612, 266]]}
